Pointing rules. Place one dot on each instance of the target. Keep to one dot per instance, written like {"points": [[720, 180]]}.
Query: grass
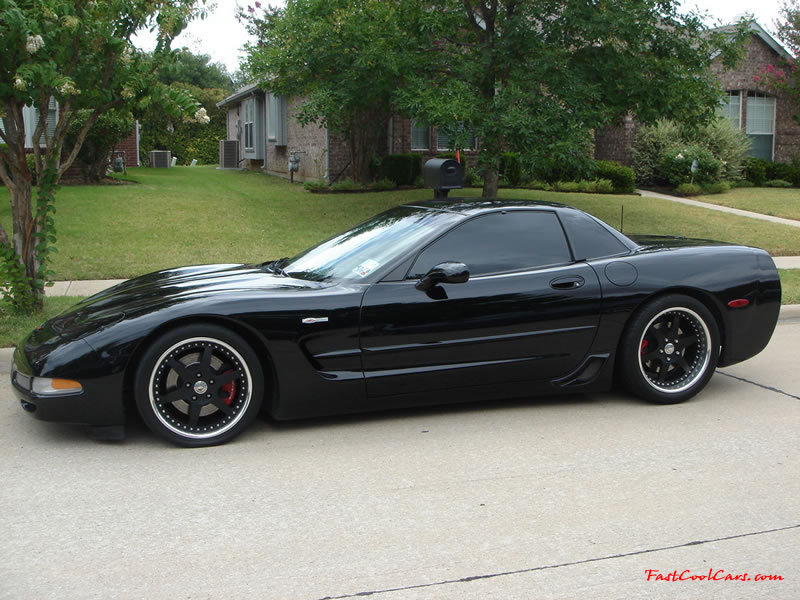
{"points": [[190, 215], [13, 328], [790, 282], [778, 202]]}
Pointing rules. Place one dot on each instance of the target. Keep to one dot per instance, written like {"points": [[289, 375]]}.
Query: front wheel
{"points": [[669, 350], [199, 385]]}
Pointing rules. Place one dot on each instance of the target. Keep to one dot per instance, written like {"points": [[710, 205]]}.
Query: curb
{"points": [[789, 312]]}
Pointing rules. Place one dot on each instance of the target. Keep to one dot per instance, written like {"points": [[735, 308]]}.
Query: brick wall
{"points": [[759, 54], [401, 143], [308, 141], [129, 147], [614, 142]]}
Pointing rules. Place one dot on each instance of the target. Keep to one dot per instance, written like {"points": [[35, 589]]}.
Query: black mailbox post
{"points": [[443, 175]]}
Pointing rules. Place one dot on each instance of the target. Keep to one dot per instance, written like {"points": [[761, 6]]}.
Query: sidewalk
{"points": [[725, 209]]}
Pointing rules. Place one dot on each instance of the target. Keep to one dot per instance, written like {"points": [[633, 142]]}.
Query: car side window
{"points": [[499, 242]]}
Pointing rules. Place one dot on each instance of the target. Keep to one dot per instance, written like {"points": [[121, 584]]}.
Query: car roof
{"points": [[471, 206]]}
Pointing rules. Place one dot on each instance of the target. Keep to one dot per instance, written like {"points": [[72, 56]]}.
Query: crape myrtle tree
{"points": [[780, 77], [79, 54], [537, 76], [344, 58]]}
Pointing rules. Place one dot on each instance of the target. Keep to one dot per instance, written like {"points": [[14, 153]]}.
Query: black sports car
{"points": [[430, 303]]}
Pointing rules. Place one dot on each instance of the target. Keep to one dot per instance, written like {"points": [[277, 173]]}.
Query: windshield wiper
{"points": [[276, 266]]}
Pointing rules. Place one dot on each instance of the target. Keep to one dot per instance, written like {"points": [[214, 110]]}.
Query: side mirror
{"points": [[446, 272]]}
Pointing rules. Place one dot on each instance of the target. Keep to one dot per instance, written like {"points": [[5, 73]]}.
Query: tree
{"points": [[779, 77], [345, 58], [538, 76], [77, 53], [185, 137], [196, 70]]}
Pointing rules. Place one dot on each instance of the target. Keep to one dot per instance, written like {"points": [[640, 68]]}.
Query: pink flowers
{"points": [[756, 78], [771, 68], [780, 74], [258, 4], [250, 9]]}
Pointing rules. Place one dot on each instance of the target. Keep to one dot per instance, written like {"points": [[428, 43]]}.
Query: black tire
{"points": [[199, 385], [669, 350]]}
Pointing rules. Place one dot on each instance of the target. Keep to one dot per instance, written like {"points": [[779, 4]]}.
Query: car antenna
{"points": [[621, 215]]}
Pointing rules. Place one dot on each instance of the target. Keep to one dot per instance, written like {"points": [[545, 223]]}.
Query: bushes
{"points": [[94, 156], [727, 145], [347, 185], [778, 183], [621, 177], [649, 145], [511, 168], [676, 162], [688, 189], [755, 170], [402, 169]]}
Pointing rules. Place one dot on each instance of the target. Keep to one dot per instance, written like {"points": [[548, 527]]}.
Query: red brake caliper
{"points": [[229, 389], [641, 350]]}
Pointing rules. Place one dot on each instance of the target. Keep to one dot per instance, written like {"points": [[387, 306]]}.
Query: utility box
{"points": [[443, 175]]}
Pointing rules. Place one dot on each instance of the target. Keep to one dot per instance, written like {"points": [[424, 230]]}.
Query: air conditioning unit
{"points": [[229, 154], [160, 158]]}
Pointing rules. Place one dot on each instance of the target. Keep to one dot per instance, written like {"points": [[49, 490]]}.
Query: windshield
{"points": [[358, 252]]}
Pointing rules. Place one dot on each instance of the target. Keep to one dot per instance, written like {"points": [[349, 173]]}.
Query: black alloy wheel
{"points": [[669, 350], [199, 385]]}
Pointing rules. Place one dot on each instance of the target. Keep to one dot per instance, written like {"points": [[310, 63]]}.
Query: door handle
{"points": [[567, 283]]}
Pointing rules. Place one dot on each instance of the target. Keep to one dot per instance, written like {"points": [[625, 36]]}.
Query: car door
{"points": [[527, 313]]}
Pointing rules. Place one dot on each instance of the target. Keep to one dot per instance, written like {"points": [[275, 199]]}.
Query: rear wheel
{"points": [[669, 350], [199, 385]]}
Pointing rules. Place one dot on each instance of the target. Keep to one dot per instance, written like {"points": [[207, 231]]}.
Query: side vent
{"points": [[229, 154], [160, 159]]}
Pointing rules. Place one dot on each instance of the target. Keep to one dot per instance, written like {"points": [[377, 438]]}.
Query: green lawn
{"points": [[190, 215], [790, 282], [13, 328], [778, 202]]}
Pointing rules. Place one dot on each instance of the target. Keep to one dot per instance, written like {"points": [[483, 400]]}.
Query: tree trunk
{"points": [[490, 183]]}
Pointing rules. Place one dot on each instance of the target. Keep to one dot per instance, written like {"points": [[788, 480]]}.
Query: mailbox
{"points": [[443, 175]]}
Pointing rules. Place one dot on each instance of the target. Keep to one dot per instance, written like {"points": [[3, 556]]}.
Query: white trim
{"points": [[770, 41]]}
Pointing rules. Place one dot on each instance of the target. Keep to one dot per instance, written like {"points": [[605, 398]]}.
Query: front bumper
{"points": [[85, 407]]}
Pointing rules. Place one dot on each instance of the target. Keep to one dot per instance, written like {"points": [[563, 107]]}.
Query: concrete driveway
{"points": [[571, 498]]}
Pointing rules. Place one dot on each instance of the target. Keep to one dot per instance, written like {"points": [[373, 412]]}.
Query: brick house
{"points": [[262, 125], [766, 118], [30, 116]]}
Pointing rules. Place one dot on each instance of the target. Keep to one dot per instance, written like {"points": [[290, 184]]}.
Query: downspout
{"points": [[327, 175], [136, 125]]}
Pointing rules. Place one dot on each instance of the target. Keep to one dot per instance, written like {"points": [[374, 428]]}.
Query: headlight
{"points": [[45, 386], [49, 387]]}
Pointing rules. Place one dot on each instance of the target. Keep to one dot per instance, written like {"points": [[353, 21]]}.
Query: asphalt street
{"points": [[589, 497]]}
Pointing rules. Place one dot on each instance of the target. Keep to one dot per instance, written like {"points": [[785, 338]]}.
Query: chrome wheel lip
{"points": [[216, 432], [697, 371]]}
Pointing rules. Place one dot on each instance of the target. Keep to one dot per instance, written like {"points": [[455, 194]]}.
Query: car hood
{"points": [[164, 289]]}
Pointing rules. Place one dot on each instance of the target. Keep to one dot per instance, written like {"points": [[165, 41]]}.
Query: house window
{"points": [[276, 120], [249, 119], [420, 136], [731, 108], [760, 126], [444, 136]]}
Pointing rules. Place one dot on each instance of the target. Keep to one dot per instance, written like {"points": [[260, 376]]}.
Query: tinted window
{"points": [[499, 242], [589, 238], [358, 252]]}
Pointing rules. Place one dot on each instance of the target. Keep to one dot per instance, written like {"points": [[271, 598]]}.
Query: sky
{"points": [[221, 36]]}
